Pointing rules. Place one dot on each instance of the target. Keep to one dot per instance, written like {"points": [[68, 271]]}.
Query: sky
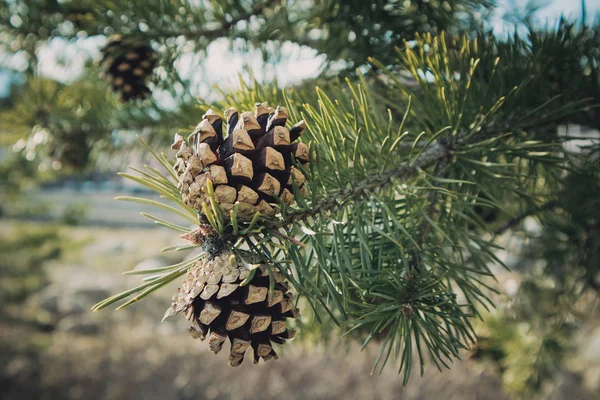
{"points": [[221, 65]]}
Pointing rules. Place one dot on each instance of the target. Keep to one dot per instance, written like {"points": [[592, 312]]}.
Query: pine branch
{"points": [[222, 30], [511, 223], [340, 198], [391, 267]]}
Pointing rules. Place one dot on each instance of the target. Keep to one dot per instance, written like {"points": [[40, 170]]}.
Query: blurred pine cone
{"points": [[127, 64], [252, 168], [225, 298]]}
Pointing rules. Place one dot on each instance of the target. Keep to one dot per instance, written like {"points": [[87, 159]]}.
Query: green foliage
{"points": [[560, 266], [570, 242], [447, 142], [22, 256], [485, 90], [364, 28], [354, 30], [75, 214], [173, 27], [557, 64], [391, 228], [58, 122], [15, 174], [69, 126], [187, 28], [527, 354]]}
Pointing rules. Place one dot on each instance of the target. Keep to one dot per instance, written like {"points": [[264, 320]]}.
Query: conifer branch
{"points": [[223, 29], [511, 223], [372, 184]]}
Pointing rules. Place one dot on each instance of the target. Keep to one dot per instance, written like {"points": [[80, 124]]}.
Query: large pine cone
{"points": [[252, 167], [127, 64], [220, 308]]}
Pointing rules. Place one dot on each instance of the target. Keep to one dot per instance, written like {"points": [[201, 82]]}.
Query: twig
{"points": [[433, 198], [286, 237], [222, 30], [340, 198], [511, 223]]}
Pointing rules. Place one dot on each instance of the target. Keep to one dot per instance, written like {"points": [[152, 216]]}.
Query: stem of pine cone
{"points": [[338, 199]]}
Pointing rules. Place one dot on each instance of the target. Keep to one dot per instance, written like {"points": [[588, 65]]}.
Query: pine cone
{"points": [[252, 167], [220, 308], [127, 64]]}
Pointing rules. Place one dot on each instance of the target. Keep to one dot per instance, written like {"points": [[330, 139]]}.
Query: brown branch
{"points": [[340, 198], [286, 237], [511, 223]]}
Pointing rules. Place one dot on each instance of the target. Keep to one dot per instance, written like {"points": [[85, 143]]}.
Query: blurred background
{"points": [[64, 240]]}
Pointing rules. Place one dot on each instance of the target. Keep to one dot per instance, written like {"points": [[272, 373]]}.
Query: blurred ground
{"points": [[61, 350]]}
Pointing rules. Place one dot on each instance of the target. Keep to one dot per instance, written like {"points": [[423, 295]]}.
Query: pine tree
{"points": [[418, 162]]}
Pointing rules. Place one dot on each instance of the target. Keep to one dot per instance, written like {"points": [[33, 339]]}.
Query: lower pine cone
{"points": [[224, 299]]}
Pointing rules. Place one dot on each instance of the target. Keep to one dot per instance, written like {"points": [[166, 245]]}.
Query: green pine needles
{"points": [[391, 242]]}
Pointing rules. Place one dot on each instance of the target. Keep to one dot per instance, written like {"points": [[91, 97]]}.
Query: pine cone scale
{"points": [[250, 315], [253, 167]]}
